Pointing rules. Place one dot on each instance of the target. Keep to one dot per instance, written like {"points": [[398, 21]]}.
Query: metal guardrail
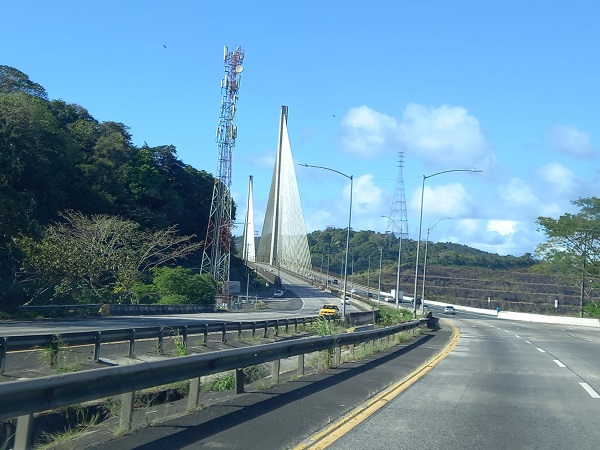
{"points": [[97, 338], [24, 398]]}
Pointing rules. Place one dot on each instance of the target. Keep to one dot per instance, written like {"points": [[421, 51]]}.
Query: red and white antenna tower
{"points": [[217, 246]]}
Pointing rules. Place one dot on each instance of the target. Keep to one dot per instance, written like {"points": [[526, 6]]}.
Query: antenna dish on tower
{"points": [[239, 69], [225, 53]]}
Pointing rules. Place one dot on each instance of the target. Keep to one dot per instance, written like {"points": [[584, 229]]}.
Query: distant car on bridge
{"points": [[449, 310]]}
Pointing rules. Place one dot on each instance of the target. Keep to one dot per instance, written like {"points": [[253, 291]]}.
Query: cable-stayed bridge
{"points": [[283, 241]]}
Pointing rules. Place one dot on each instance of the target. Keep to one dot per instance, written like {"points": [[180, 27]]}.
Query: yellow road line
{"points": [[337, 429]]}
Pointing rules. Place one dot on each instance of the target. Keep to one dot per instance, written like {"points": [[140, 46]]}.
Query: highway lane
{"points": [[506, 385], [304, 300]]}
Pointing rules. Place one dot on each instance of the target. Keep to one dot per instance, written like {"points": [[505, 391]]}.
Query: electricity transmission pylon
{"points": [[398, 220]]}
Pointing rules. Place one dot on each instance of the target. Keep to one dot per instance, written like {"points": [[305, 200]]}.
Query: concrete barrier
{"points": [[526, 317], [539, 318]]}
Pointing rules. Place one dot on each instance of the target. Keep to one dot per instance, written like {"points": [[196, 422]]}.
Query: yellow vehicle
{"points": [[329, 310]]}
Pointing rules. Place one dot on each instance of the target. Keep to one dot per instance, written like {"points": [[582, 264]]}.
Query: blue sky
{"points": [[511, 88]]}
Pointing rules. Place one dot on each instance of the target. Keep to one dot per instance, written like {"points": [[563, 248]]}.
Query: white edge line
{"points": [[559, 364], [541, 350]]}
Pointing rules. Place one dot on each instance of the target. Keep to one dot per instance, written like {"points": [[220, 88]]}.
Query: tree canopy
{"points": [[55, 157], [572, 249], [99, 258]]}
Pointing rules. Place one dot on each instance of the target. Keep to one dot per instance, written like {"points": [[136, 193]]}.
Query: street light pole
{"points": [[327, 278], [399, 255], [350, 177], [379, 288], [247, 276], [421, 226], [425, 257], [369, 277]]}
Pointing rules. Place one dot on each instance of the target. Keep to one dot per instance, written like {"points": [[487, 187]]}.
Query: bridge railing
{"points": [[22, 399]]}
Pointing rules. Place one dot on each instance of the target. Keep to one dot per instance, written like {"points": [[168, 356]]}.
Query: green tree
{"points": [[37, 171], [181, 286], [572, 248], [99, 258], [13, 80]]}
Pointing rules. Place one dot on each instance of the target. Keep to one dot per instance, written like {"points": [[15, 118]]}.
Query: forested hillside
{"points": [[454, 273], [56, 157]]}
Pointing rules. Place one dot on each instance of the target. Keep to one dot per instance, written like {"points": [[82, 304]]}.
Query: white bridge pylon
{"points": [[283, 242]]}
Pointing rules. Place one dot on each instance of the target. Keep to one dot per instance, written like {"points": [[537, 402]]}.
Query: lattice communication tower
{"points": [[217, 246], [399, 224]]}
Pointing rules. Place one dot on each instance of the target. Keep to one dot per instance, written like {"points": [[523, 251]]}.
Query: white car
{"points": [[347, 301], [449, 310], [278, 294]]}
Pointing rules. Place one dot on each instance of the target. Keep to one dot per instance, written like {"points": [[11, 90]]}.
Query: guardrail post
{"points": [[205, 335], [132, 343], [275, 371], [239, 381], [338, 355], [126, 410], [2, 354], [300, 365], [351, 347], [184, 336], [287, 326], [194, 394], [253, 329], [23, 433], [295, 324], [161, 335], [276, 330], [239, 331], [97, 342], [224, 333], [266, 329]]}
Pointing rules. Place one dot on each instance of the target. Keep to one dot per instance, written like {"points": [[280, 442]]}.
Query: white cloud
{"points": [[502, 227], [442, 137], [445, 136], [367, 133], [450, 200], [560, 179], [570, 141], [468, 227], [367, 198]]}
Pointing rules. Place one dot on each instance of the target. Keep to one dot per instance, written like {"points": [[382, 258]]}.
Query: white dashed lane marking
{"points": [[589, 390]]}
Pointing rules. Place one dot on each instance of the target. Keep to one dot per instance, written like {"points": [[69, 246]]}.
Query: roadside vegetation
{"points": [[67, 424]]}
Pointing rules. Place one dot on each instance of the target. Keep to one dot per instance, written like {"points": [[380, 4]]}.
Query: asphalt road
{"points": [[300, 300], [506, 385]]}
